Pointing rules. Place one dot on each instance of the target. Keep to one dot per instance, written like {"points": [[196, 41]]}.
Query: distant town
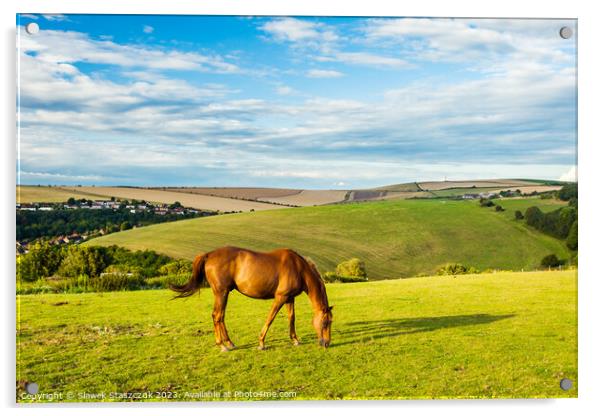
{"points": [[78, 220]]}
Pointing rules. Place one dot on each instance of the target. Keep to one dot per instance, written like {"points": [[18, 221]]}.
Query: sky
{"points": [[296, 102]]}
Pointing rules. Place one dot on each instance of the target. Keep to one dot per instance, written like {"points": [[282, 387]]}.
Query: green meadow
{"points": [[395, 239], [502, 335]]}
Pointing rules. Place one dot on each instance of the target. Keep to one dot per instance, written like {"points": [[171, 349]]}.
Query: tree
{"points": [[534, 217], [568, 191], [572, 239], [125, 226], [518, 215], [43, 260], [88, 261], [71, 201], [175, 205]]}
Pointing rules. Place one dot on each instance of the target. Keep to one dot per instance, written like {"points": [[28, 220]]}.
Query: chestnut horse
{"points": [[280, 275]]}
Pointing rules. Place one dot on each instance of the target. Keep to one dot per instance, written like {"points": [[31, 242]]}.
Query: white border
{"points": [[590, 293]]}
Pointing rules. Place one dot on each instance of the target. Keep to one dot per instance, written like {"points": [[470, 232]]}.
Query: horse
{"points": [[281, 275]]}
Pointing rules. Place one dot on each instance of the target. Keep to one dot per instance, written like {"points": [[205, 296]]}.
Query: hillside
{"points": [[395, 238]]}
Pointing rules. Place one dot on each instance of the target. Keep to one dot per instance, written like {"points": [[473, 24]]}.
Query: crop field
{"points": [[238, 193], [307, 198], [491, 335], [30, 194], [398, 238], [497, 183], [206, 202]]}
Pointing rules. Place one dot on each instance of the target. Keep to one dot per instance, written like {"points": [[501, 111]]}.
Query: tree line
{"points": [[36, 224]]}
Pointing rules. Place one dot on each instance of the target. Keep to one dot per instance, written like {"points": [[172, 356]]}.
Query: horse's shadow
{"points": [[361, 331]]}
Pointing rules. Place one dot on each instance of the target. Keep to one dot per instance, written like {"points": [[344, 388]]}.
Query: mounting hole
{"points": [[566, 32], [32, 388], [566, 384], [32, 28]]}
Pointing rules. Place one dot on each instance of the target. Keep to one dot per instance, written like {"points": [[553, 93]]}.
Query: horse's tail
{"points": [[196, 280]]}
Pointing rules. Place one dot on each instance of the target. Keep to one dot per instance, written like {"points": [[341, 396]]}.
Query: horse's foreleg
{"points": [[291, 322], [278, 302], [219, 314]]}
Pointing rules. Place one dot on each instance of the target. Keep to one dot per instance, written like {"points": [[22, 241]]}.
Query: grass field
{"points": [[30, 194], [494, 335], [395, 238]]}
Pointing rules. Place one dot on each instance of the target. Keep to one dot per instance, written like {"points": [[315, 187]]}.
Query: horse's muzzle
{"points": [[324, 343]]}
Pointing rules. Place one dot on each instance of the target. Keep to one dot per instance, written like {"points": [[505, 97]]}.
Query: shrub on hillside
{"points": [[551, 260], [352, 268], [486, 203], [163, 282], [572, 239], [452, 269], [108, 282], [518, 215], [499, 208]]}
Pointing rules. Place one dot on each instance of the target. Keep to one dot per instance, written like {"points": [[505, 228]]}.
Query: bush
{"points": [[452, 269], [551, 260], [163, 282], [499, 208], [116, 281], [332, 277], [518, 215], [352, 268], [176, 267], [485, 203]]}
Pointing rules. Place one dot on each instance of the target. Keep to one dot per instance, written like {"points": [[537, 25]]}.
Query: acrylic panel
{"points": [[295, 208]]}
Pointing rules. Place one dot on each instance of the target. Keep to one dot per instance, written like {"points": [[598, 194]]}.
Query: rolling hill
{"points": [[397, 238]]}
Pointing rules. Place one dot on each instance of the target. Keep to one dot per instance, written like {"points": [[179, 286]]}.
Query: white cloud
{"points": [[71, 47], [55, 17], [570, 175], [323, 73], [481, 41], [148, 29], [364, 58], [284, 90], [298, 30]]}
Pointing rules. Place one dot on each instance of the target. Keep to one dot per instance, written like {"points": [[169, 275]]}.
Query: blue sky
{"points": [[321, 103]]}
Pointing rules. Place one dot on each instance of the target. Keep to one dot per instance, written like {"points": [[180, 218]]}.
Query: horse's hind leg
{"points": [[290, 306], [278, 302], [219, 314]]}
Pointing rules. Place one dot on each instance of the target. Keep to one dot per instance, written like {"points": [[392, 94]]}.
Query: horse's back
{"points": [[262, 275]]}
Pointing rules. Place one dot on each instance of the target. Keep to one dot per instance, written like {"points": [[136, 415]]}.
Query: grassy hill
{"points": [[489, 335], [398, 238]]}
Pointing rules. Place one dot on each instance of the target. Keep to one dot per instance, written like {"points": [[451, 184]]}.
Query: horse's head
{"points": [[322, 323]]}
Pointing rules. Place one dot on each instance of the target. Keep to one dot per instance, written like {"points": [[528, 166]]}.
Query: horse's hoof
{"points": [[261, 348], [224, 348], [296, 343]]}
